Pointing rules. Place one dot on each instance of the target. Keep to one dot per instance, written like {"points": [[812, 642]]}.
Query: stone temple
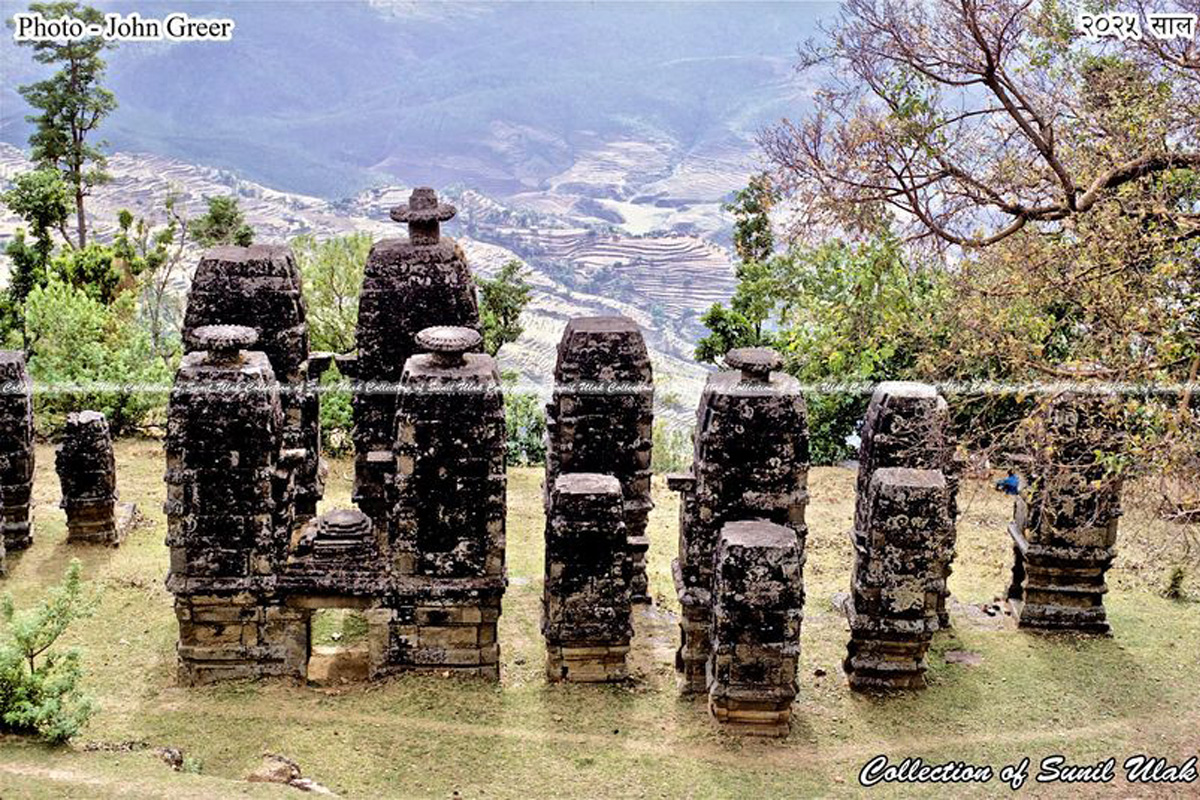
{"points": [[600, 419], [903, 537], [1064, 529], [259, 287], [16, 447], [751, 463], [409, 284], [87, 471]]}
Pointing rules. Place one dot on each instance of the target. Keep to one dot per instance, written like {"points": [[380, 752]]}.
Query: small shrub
{"points": [[337, 414], [1176, 576], [525, 420], [671, 450], [39, 687]]}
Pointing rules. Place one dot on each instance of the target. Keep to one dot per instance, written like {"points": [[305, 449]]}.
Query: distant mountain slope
{"points": [[325, 98], [563, 257]]}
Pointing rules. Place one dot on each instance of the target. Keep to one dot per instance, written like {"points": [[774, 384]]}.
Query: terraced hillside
{"points": [[660, 281]]}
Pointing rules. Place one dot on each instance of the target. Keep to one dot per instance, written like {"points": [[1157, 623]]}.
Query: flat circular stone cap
{"points": [[225, 338], [448, 339], [346, 519], [423, 206], [754, 360]]}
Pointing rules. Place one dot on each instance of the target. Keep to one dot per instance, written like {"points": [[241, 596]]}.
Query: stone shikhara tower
{"points": [[409, 284], [87, 471], [259, 287], [447, 529], [587, 599], [228, 507], [751, 463], [908, 425], [16, 450], [903, 531], [758, 607], [600, 420], [1065, 521]]}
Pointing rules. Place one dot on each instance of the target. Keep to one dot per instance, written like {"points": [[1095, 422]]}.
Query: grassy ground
{"points": [[1029, 695]]}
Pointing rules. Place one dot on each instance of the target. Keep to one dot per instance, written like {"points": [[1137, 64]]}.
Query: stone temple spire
{"points": [[424, 215]]}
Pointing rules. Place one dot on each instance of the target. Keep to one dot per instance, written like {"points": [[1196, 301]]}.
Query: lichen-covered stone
{"points": [[751, 462], [447, 533], [87, 472], [409, 284], [586, 600], [758, 608], [259, 287], [908, 425], [16, 447], [600, 419], [902, 531], [1065, 519], [229, 504]]}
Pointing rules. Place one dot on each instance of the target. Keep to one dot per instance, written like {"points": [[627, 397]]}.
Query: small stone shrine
{"points": [[1064, 529], [908, 425], [447, 531], [586, 602], [751, 462], [228, 507], [409, 284], [259, 287], [600, 419], [902, 531], [16, 450], [758, 607], [87, 472]]}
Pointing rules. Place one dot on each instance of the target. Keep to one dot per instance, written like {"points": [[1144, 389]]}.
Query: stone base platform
{"points": [[587, 664], [752, 716], [104, 524]]}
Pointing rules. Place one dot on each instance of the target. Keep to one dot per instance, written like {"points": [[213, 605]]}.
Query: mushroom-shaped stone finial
{"points": [[448, 343], [755, 363], [424, 215], [224, 342]]}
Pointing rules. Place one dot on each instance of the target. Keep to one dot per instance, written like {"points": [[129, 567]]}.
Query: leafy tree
{"points": [[501, 301], [155, 257], [42, 199], [223, 223], [741, 324], [525, 421], [39, 686], [94, 355], [71, 104], [332, 271]]}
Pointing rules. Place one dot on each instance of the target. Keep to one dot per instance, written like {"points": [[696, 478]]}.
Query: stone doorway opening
{"points": [[338, 650]]}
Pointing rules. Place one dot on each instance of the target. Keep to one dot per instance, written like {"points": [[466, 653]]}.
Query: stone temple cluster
{"points": [[422, 553]]}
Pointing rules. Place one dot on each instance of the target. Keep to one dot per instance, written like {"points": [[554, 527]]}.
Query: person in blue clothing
{"points": [[1009, 485]]}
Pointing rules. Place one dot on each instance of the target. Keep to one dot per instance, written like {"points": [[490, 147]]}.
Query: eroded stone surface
{"points": [[600, 419], [903, 529], [908, 425], [751, 462], [586, 600], [259, 287], [409, 284], [758, 608], [87, 472], [1065, 519], [16, 445]]}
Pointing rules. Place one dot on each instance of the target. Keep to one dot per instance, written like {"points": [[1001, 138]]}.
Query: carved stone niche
{"points": [[751, 462]]}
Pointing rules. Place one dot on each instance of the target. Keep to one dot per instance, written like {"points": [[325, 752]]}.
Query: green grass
{"points": [[1031, 695]]}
